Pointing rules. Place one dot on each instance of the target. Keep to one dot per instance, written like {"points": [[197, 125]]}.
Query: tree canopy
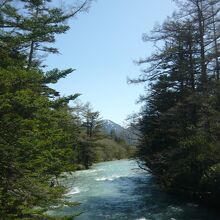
{"points": [[180, 117]]}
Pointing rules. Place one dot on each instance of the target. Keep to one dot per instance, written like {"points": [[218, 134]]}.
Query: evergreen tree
{"points": [[179, 122], [31, 26], [91, 125], [38, 130]]}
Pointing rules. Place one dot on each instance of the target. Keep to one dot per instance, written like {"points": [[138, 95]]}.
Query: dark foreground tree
{"points": [[180, 118], [38, 131]]}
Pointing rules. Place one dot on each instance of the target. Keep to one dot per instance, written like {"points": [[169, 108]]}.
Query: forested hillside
{"points": [[179, 122]]}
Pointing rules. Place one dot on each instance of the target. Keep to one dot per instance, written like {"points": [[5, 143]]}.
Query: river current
{"points": [[120, 190]]}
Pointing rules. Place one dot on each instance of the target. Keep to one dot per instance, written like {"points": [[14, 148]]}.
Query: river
{"points": [[120, 190]]}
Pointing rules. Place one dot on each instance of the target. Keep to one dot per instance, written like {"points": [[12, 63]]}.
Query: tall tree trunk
{"points": [[215, 44], [191, 62], [203, 66], [31, 53]]}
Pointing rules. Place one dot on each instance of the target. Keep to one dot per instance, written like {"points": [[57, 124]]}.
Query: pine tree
{"points": [[32, 25], [38, 130], [179, 120]]}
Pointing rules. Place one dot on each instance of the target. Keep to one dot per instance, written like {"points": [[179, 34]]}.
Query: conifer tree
{"points": [[179, 120], [38, 131]]}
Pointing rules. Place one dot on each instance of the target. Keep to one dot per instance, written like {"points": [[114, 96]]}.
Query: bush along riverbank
{"points": [[179, 121]]}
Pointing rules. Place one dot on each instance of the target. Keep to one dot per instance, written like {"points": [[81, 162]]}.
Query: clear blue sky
{"points": [[102, 46]]}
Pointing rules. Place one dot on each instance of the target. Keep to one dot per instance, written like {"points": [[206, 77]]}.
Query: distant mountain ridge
{"points": [[127, 134], [109, 125]]}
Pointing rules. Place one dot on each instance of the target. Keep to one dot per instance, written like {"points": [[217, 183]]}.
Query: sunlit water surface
{"points": [[120, 190]]}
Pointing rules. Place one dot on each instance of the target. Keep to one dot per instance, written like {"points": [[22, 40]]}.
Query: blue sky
{"points": [[102, 46]]}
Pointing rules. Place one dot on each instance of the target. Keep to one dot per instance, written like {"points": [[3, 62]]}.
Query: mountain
{"points": [[111, 128]]}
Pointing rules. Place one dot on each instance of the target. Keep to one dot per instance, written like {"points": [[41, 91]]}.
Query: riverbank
{"points": [[203, 198]]}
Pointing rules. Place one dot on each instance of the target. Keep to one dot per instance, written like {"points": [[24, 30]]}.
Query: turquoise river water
{"points": [[120, 190]]}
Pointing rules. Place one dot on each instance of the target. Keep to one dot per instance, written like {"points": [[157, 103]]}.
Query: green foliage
{"points": [[180, 118], [34, 146], [108, 149], [54, 75], [31, 26], [38, 130]]}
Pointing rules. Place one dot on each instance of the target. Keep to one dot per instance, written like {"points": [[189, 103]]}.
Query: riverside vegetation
{"points": [[179, 122], [41, 136]]}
